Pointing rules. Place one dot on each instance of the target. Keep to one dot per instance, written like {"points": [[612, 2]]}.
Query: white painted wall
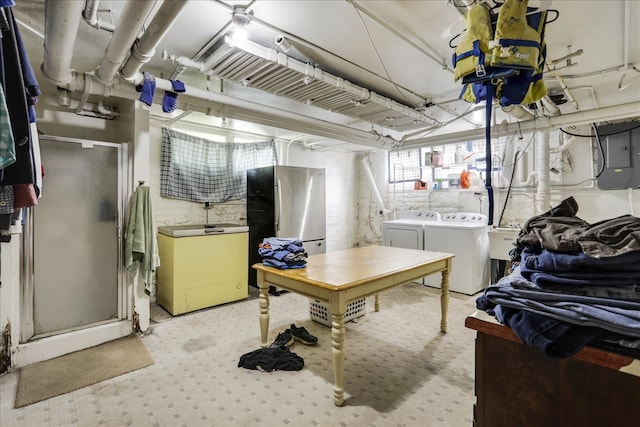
{"points": [[353, 214], [341, 177], [341, 183], [594, 204]]}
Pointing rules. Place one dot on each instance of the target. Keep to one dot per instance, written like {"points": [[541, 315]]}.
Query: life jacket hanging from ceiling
{"points": [[473, 54], [527, 86], [515, 81], [515, 43], [511, 71]]}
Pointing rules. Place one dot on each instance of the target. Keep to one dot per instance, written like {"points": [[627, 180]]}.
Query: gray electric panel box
{"points": [[621, 146]]}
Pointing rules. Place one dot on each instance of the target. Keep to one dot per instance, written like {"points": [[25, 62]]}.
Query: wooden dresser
{"points": [[517, 385]]}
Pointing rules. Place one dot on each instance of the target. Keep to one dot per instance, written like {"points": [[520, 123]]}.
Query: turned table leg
{"points": [[264, 309], [337, 338], [444, 297]]}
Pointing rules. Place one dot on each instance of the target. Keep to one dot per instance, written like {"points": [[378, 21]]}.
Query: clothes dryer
{"points": [[466, 236], [408, 230]]}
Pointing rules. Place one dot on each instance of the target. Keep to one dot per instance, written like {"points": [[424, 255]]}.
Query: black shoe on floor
{"points": [[284, 339], [302, 335]]}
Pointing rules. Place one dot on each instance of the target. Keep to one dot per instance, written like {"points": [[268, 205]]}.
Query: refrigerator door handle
{"points": [[278, 206]]}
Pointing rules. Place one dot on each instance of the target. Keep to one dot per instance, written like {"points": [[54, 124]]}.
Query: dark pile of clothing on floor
{"points": [[282, 253], [574, 284]]}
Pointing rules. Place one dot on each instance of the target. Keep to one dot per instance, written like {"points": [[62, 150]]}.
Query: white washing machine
{"points": [[466, 236], [408, 230]]}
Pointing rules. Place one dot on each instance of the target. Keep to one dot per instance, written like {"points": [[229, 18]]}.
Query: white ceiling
{"points": [[393, 48]]}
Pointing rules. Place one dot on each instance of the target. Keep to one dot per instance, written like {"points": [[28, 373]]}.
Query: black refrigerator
{"points": [[287, 202]]}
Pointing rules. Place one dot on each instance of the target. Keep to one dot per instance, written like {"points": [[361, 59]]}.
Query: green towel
{"points": [[141, 245]]}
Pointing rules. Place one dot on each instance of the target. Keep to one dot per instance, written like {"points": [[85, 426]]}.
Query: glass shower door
{"points": [[76, 237]]}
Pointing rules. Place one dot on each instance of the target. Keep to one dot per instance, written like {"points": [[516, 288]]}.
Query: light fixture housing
{"points": [[241, 17]]}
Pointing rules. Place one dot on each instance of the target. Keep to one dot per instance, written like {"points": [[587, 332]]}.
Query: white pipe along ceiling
{"points": [[104, 84], [144, 48], [62, 20], [374, 109], [133, 18]]}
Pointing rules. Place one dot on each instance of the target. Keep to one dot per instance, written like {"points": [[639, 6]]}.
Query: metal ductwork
{"points": [[232, 107], [194, 99], [256, 66]]}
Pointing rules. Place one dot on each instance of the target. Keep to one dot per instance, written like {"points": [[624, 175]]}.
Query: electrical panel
{"points": [[619, 161]]}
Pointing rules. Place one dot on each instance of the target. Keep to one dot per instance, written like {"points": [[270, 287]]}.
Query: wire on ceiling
{"points": [[375, 48]]}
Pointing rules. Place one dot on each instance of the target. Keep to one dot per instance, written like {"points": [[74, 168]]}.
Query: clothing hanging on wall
{"points": [[13, 83], [19, 90]]}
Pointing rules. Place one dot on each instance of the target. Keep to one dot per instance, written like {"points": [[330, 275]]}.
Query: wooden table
{"points": [[340, 277]]}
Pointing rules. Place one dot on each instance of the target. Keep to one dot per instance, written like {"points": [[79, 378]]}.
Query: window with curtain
{"points": [[200, 170]]}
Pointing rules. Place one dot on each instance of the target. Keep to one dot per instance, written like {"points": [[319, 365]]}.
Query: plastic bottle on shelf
{"points": [[459, 155]]}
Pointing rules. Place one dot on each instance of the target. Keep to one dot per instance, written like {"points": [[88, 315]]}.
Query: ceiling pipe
{"points": [[221, 104], [197, 99], [592, 92], [183, 62], [518, 111], [61, 22], [132, 19], [145, 47], [625, 44], [550, 105], [543, 191], [566, 90], [90, 15], [374, 186], [615, 112], [282, 42], [516, 159]]}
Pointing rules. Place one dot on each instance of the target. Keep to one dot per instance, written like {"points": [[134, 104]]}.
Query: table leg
{"points": [[337, 338], [264, 309], [444, 297]]}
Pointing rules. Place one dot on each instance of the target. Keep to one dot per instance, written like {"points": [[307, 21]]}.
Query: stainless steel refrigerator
{"points": [[288, 202]]}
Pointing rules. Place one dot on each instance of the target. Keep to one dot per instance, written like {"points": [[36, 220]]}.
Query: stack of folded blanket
{"points": [[282, 253], [576, 284]]}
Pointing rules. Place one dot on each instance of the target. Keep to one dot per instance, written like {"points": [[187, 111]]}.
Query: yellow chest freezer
{"points": [[201, 266]]}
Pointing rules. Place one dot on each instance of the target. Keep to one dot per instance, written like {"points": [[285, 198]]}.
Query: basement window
{"points": [[405, 165], [431, 164]]}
